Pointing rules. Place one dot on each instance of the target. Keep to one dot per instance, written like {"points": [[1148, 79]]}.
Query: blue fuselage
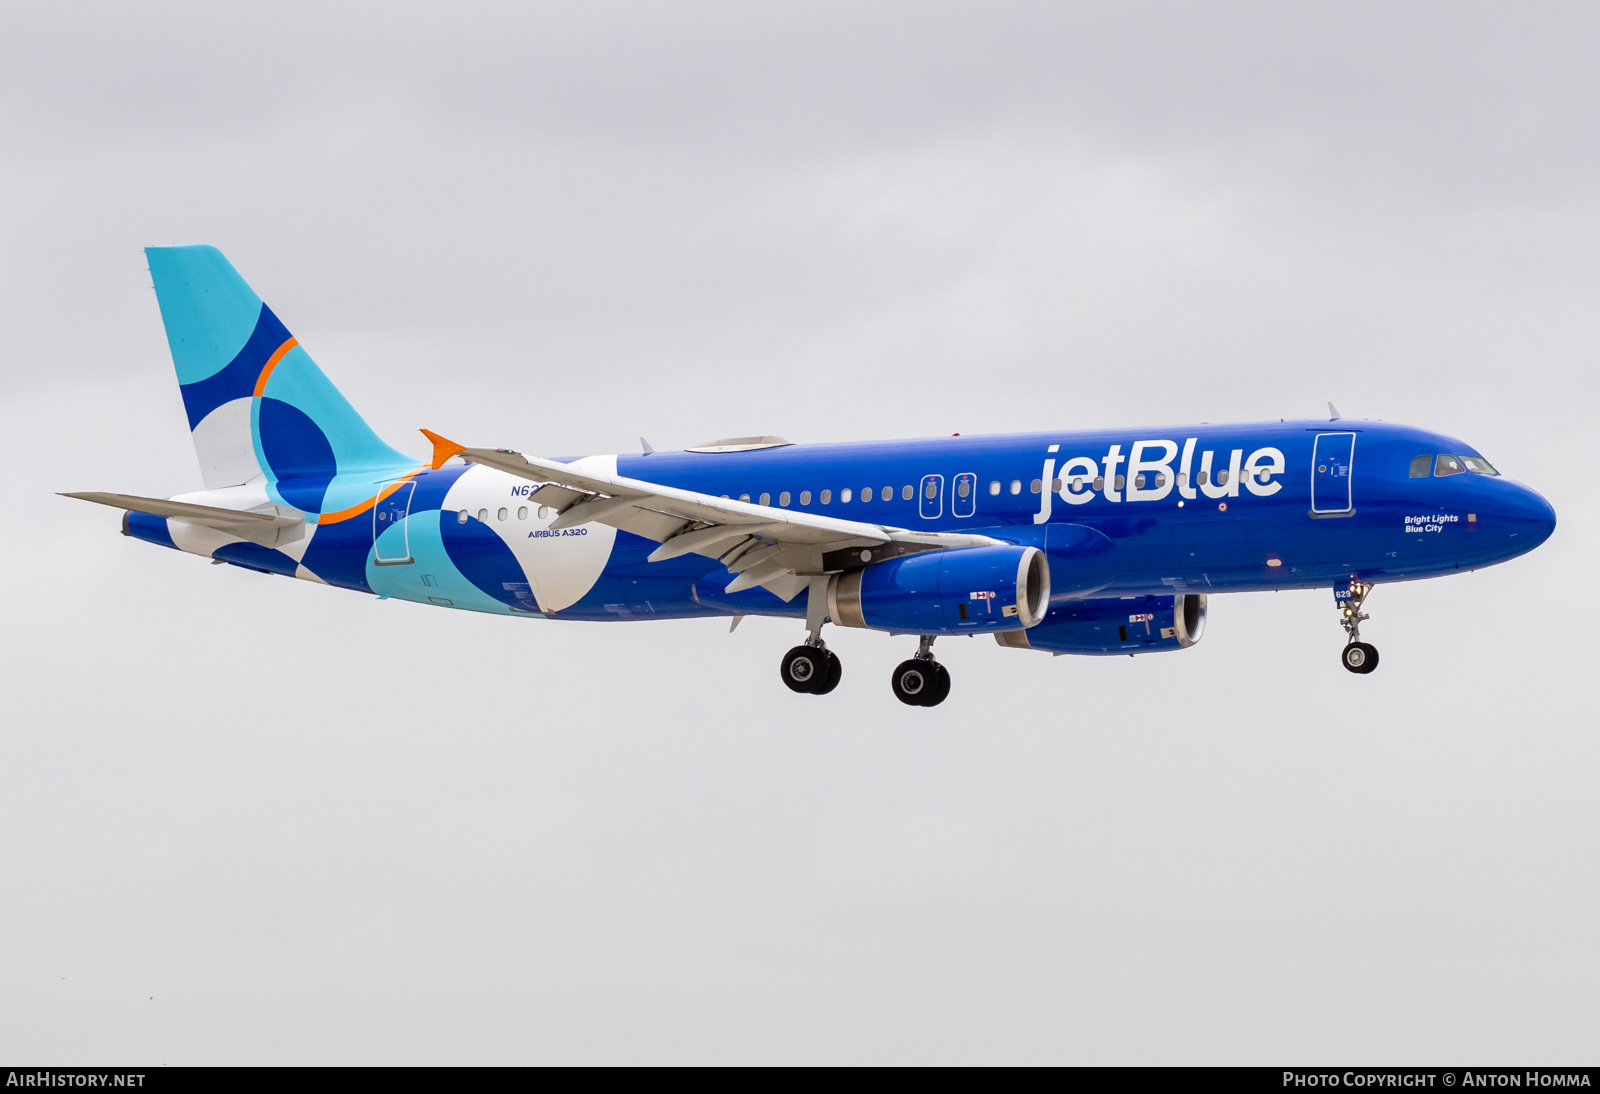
{"points": [[1377, 521], [1200, 509]]}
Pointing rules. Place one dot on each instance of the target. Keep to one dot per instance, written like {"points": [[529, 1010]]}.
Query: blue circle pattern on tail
{"points": [[298, 454]]}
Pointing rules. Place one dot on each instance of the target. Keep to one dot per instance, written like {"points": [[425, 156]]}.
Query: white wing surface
{"points": [[778, 549]]}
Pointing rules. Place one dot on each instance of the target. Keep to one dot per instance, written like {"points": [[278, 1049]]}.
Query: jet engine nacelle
{"points": [[961, 591], [1139, 624]]}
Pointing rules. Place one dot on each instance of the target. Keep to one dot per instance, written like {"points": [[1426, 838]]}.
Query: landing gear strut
{"points": [[1357, 656], [812, 668], [921, 681]]}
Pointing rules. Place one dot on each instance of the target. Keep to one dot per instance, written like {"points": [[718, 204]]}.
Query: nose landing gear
{"points": [[921, 681], [1357, 656]]}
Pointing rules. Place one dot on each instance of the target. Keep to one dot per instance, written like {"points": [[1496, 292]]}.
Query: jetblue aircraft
{"points": [[1101, 542]]}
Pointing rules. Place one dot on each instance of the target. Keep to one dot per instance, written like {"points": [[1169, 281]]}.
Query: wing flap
{"points": [[778, 549]]}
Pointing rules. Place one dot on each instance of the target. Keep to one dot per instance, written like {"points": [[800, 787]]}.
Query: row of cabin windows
{"points": [[996, 487], [826, 496], [1445, 464], [503, 514], [1141, 481], [962, 488]]}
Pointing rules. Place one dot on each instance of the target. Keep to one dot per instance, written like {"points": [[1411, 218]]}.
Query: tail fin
{"points": [[259, 408]]}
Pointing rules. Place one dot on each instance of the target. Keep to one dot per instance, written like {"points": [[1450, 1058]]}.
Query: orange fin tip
{"points": [[443, 449]]}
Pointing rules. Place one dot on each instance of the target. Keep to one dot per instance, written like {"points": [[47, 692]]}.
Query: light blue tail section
{"points": [[259, 407]]}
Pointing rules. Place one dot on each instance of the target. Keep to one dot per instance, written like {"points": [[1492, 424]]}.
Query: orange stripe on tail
{"points": [[361, 507], [272, 363]]}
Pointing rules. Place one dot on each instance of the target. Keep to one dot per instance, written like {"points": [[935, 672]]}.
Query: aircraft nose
{"points": [[1532, 518]]}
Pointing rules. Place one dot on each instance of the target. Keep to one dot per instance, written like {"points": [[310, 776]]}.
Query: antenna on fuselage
{"points": [[1333, 413], [644, 444]]}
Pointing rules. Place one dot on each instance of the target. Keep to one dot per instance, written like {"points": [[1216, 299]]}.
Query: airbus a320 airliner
{"points": [[1101, 542]]}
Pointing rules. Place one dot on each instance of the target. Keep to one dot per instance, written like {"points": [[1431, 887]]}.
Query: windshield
{"points": [[1446, 465], [1478, 465]]}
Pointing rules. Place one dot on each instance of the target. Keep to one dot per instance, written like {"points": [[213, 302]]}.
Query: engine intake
{"points": [[971, 589]]}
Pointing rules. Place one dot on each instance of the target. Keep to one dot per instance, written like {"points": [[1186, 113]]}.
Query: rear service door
{"points": [[390, 535], [1331, 461]]}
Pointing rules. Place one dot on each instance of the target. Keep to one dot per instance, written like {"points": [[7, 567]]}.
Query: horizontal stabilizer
{"points": [[265, 528]]}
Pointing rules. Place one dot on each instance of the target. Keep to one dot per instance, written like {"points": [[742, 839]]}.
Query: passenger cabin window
{"points": [[994, 488], [1419, 467], [461, 517], [1016, 486], [1035, 486], [483, 515], [1122, 480], [844, 496], [827, 496], [1446, 464], [501, 515], [522, 512], [744, 497], [1478, 465], [805, 497], [544, 511], [906, 492], [766, 499], [866, 493], [783, 498]]}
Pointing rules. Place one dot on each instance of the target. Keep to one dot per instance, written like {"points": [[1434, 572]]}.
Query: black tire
{"points": [[941, 686], [805, 669], [835, 671], [1359, 657], [913, 681]]}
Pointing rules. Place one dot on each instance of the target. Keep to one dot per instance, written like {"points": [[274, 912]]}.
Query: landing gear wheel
{"points": [[919, 683], [1360, 657], [806, 669], [835, 671], [913, 681]]}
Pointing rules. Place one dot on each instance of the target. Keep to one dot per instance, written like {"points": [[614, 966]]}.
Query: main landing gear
{"points": [[921, 681], [812, 669], [1357, 656]]}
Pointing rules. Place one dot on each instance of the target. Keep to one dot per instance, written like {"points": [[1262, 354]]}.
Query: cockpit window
{"points": [[1420, 465], [1478, 465], [1446, 465]]}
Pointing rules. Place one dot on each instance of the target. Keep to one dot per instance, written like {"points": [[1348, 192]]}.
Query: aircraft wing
{"points": [[778, 549]]}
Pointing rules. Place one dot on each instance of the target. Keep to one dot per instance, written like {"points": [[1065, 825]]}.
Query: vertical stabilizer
{"points": [[259, 408]]}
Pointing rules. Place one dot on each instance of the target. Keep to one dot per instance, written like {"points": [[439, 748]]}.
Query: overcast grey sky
{"points": [[244, 819]]}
